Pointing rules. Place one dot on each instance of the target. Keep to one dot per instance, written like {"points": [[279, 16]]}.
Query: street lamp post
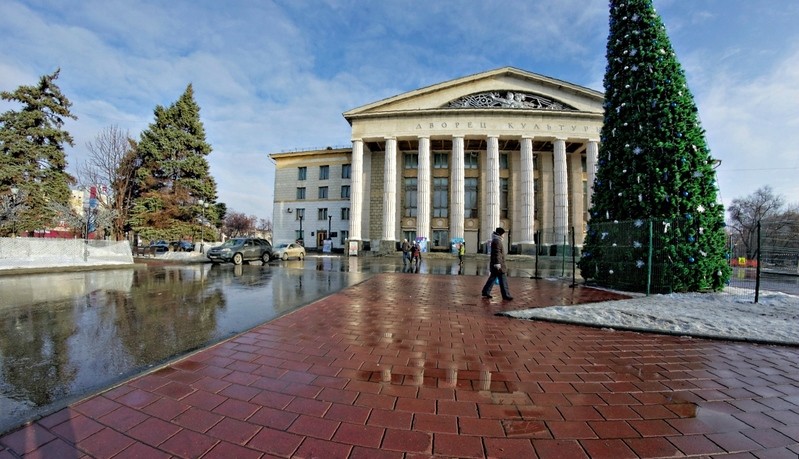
{"points": [[329, 226], [14, 192], [203, 205], [302, 239]]}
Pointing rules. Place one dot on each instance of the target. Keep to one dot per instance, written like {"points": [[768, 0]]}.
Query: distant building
{"points": [[454, 160]]}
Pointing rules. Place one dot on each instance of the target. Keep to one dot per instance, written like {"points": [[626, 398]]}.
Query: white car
{"points": [[286, 250]]}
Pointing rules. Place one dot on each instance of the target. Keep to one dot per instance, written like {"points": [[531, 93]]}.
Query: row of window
{"points": [[441, 160], [411, 161], [322, 192], [441, 197], [324, 172], [322, 214]]}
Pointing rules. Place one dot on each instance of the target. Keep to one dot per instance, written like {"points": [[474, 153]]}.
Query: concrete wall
{"points": [[30, 253]]}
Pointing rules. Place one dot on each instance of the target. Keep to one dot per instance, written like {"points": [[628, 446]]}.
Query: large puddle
{"points": [[66, 335]]}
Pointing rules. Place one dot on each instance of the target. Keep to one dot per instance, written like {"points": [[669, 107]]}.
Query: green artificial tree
{"points": [[654, 169]]}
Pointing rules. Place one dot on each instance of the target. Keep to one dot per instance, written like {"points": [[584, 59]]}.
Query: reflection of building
{"points": [[454, 160]]}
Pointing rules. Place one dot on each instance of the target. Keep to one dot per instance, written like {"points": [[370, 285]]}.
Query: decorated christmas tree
{"points": [[654, 210]]}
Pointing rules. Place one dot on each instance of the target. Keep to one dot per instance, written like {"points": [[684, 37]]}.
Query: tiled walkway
{"points": [[407, 365]]}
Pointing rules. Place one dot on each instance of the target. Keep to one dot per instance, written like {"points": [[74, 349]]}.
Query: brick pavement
{"points": [[409, 365]]}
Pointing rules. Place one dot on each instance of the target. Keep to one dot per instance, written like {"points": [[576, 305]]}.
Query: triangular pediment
{"points": [[506, 88]]}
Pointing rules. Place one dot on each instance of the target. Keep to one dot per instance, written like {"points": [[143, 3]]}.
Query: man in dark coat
{"points": [[497, 268]]}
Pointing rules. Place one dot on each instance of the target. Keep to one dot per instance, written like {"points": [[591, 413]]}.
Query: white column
{"points": [[492, 187], [526, 234], [390, 191], [356, 201], [591, 158], [561, 193], [423, 180], [456, 222]]}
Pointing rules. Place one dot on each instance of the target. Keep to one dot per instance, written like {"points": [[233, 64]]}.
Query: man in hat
{"points": [[497, 268]]}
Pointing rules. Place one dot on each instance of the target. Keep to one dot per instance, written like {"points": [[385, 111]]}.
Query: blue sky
{"points": [[272, 76]]}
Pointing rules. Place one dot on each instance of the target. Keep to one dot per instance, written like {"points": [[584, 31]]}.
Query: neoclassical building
{"points": [[454, 160]]}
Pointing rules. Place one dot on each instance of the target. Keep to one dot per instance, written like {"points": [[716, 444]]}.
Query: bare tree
{"points": [[264, 225], [761, 206], [238, 224], [111, 163]]}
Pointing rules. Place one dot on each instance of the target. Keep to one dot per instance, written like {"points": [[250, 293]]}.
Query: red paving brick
{"points": [[408, 365]]}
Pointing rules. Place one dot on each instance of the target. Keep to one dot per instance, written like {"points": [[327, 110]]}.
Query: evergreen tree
{"points": [[32, 156], [173, 174], [654, 165]]}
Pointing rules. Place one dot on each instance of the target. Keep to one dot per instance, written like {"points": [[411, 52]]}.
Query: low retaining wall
{"points": [[32, 253]]}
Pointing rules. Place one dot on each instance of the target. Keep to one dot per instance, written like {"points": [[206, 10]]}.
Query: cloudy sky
{"points": [[273, 76]]}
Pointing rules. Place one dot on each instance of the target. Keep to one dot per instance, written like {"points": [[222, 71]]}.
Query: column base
{"points": [[388, 247], [524, 248]]}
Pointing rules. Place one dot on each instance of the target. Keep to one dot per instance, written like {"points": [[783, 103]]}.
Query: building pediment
{"points": [[506, 88]]}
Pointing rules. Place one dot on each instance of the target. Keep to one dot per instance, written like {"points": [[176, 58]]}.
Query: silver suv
{"points": [[240, 249]]}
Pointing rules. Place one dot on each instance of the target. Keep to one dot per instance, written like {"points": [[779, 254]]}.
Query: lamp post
{"points": [[203, 205], [14, 192], [329, 226], [302, 239]]}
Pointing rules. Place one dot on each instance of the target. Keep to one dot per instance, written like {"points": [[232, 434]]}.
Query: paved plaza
{"points": [[418, 365]]}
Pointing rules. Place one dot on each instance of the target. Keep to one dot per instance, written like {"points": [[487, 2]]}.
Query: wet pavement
{"points": [[405, 365]]}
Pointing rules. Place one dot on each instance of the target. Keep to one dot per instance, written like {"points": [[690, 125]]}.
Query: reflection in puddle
{"points": [[68, 334]]}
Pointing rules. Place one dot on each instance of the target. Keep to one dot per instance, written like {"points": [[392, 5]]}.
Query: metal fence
{"points": [[769, 262], [765, 258]]}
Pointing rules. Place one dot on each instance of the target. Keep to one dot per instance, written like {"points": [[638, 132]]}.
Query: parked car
{"points": [[287, 250], [240, 249], [181, 246], [160, 246]]}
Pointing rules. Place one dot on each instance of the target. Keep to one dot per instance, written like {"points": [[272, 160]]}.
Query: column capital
{"points": [[389, 137]]}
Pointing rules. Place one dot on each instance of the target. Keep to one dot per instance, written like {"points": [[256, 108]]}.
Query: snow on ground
{"points": [[724, 315]]}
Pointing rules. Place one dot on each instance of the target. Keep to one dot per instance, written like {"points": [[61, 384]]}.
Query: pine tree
{"points": [[654, 165], [173, 173], [32, 157]]}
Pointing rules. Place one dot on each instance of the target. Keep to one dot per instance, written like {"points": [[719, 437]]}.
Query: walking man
{"points": [[406, 252], [497, 268]]}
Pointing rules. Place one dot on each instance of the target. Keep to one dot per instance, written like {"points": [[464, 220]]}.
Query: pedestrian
{"points": [[461, 252], [416, 254], [406, 252], [497, 269]]}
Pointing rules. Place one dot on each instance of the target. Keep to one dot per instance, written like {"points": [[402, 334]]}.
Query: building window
{"points": [[503, 161], [322, 214], [503, 198], [440, 238], [440, 195], [440, 160], [345, 234], [470, 160], [345, 213], [302, 173], [301, 192], [346, 170], [300, 214], [322, 192], [411, 160], [410, 235], [324, 172], [470, 197], [410, 196], [345, 191]]}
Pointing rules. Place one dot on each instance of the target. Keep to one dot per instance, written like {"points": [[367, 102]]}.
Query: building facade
{"points": [[447, 162]]}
